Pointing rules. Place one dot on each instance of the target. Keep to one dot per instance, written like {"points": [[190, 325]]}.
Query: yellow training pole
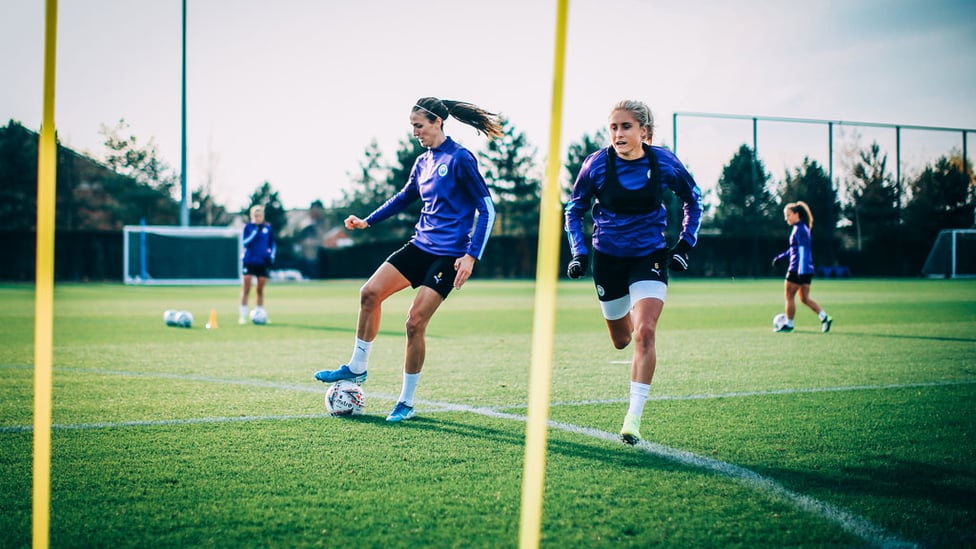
{"points": [[543, 328], [47, 155]]}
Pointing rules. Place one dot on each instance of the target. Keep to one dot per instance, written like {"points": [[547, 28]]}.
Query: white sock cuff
{"points": [[640, 389], [410, 382], [360, 356], [638, 396]]}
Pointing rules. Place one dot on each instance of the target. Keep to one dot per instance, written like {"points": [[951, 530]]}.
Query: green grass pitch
{"points": [[168, 437]]}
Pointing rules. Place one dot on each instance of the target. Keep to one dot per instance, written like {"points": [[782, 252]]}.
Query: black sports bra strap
{"points": [[646, 199]]}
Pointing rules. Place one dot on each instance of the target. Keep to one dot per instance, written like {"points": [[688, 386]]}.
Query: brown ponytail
{"points": [[466, 113]]}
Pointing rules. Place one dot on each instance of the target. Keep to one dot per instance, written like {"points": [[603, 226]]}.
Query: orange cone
{"points": [[212, 325]]}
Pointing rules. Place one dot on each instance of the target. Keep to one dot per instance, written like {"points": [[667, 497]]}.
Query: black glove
{"points": [[577, 267], [679, 256], [775, 260]]}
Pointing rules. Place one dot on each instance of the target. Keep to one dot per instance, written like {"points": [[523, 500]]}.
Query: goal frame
{"points": [[929, 268], [142, 277]]}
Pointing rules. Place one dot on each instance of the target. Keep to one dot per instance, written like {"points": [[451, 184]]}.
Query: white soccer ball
{"points": [[779, 321], [184, 319], [259, 317], [170, 317], [344, 398]]}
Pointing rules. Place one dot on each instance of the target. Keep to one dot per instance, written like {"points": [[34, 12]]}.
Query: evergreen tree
{"points": [[142, 163], [151, 198], [943, 196], [873, 202], [509, 169], [746, 205], [18, 178]]}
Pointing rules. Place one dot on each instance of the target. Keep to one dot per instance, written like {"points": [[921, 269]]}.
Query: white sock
{"points": [[360, 356], [243, 311], [409, 388], [638, 396], [789, 322], [822, 314], [260, 308]]}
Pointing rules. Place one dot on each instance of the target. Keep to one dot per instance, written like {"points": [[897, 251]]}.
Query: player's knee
{"points": [[644, 334], [368, 297], [415, 326]]}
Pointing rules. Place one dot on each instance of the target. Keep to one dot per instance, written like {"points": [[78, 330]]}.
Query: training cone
{"points": [[212, 325]]}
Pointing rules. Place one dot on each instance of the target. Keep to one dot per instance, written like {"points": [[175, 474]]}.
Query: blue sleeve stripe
{"points": [[485, 225]]}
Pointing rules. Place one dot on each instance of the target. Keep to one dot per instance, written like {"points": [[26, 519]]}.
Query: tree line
{"points": [[863, 207]]}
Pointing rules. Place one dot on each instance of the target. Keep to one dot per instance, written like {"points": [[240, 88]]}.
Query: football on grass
{"points": [[779, 321], [344, 398], [259, 317], [170, 317], [178, 319]]}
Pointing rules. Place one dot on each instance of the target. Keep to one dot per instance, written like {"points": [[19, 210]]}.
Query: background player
{"points": [[799, 274], [259, 255]]}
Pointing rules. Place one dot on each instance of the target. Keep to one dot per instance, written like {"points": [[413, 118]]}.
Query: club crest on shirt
{"points": [[442, 170]]}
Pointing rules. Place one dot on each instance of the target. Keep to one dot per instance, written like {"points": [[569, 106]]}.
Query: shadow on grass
{"points": [[947, 492], [624, 456], [892, 479]]}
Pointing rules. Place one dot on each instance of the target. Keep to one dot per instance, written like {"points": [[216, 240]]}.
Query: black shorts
{"points": [[425, 269], [260, 271], [613, 275], [802, 280]]}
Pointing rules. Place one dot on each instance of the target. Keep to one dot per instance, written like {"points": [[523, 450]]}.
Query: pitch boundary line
{"points": [[853, 524]]}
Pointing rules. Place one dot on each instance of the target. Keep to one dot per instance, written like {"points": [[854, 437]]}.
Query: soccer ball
{"points": [[184, 319], [344, 398], [170, 316], [259, 317], [779, 321], [178, 319]]}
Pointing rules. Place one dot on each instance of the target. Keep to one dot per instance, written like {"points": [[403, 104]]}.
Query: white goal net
{"points": [[953, 255], [181, 255]]}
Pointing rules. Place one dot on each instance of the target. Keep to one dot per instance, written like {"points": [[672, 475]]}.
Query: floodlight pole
{"points": [[184, 212]]}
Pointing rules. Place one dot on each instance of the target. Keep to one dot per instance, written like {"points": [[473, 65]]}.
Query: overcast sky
{"points": [[292, 91]]}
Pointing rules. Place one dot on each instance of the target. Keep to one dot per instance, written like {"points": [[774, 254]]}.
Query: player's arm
{"points": [[353, 222], [576, 208], [396, 204], [250, 232], [468, 172], [574, 214], [463, 265], [687, 190], [272, 245]]}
